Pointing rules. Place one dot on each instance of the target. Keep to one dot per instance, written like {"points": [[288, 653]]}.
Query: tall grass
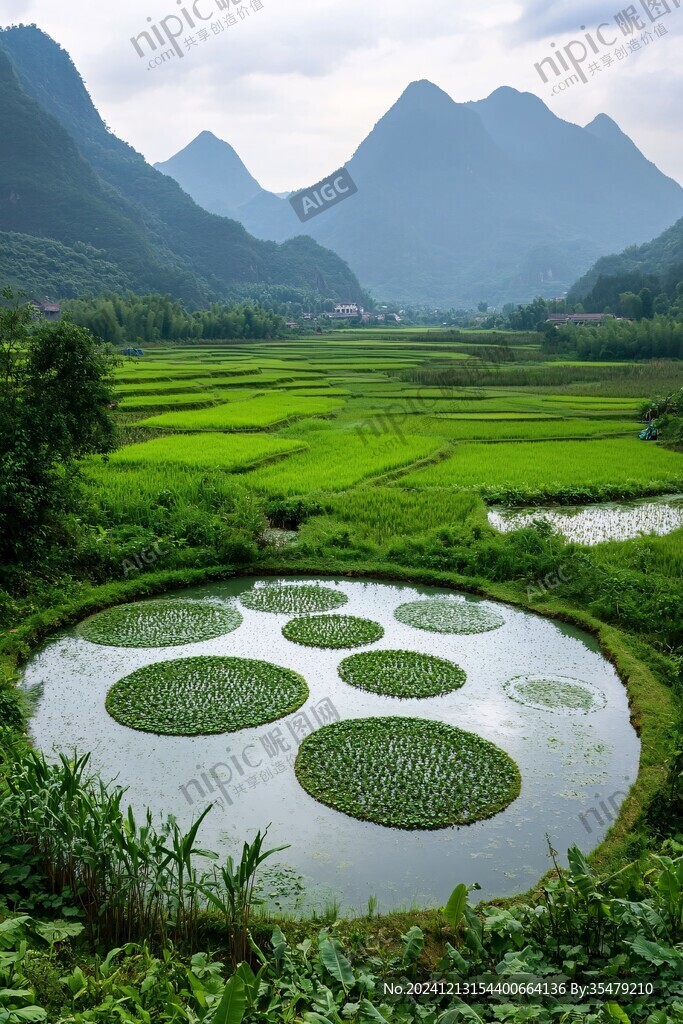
{"points": [[380, 514], [230, 891], [153, 495], [131, 880]]}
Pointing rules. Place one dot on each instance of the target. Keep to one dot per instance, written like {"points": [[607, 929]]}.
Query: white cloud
{"points": [[296, 86], [541, 20]]}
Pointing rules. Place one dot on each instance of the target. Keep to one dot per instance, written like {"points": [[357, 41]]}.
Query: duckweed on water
{"points": [[559, 694], [440, 615], [283, 599], [332, 631], [206, 695], [401, 673], [160, 623], [407, 773]]}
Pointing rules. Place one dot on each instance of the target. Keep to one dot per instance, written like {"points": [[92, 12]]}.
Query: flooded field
{"points": [[541, 693], [594, 524]]}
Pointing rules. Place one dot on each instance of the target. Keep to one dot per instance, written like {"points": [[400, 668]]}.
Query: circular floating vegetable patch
{"points": [[560, 694], [160, 623], [204, 696], [288, 599], [334, 631], [407, 773], [439, 615], [401, 673]]}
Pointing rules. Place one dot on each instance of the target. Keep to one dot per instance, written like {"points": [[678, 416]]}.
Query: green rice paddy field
{"points": [[348, 421]]}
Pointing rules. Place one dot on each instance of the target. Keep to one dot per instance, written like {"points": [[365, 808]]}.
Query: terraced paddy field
{"points": [[264, 411], [332, 416], [555, 468], [227, 451]]}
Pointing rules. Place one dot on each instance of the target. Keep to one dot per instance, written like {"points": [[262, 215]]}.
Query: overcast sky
{"points": [[298, 84]]}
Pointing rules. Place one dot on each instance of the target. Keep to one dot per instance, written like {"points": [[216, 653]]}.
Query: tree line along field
{"points": [[323, 416]]}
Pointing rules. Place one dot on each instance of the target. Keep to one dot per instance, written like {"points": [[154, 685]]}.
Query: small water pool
{"points": [[593, 524], [577, 756]]}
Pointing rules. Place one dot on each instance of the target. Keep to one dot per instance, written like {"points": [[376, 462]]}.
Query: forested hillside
{"points": [[67, 177]]}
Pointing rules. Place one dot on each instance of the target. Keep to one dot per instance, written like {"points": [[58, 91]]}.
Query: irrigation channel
{"points": [[541, 692], [593, 524]]}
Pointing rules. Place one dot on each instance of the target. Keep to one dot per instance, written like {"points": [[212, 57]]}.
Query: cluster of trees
{"points": [[289, 301], [659, 338], [55, 392], [648, 320], [130, 318], [633, 296]]}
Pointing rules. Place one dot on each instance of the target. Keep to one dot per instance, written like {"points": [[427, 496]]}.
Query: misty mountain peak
{"points": [[429, 121], [210, 170], [506, 94], [422, 90], [507, 109], [603, 127], [608, 131]]}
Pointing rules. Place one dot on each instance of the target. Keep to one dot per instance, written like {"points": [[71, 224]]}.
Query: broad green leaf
{"points": [[457, 960], [654, 952], [413, 943], [258, 953], [57, 931], [475, 931], [232, 1006], [250, 982], [11, 931], [279, 944], [460, 1012], [582, 873], [28, 1013], [370, 1013], [455, 907], [612, 1011], [198, 990], [336, 963]]}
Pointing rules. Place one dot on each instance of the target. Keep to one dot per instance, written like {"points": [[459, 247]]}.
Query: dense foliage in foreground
{"points": [[74, 864]]}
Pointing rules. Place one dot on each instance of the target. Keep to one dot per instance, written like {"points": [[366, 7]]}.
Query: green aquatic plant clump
{"points": [[206, 695], [292, 599], [332, 631], [441, 615], [402, 673], [559, 694], [160, 623], [407, 773]]}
